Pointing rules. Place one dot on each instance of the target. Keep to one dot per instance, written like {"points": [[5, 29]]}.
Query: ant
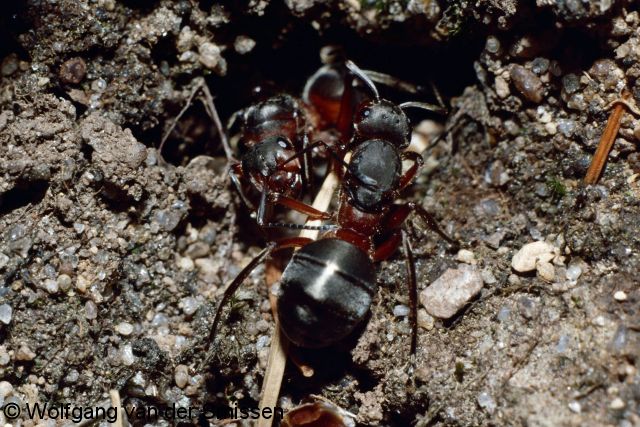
{"points": [[327, 288]]}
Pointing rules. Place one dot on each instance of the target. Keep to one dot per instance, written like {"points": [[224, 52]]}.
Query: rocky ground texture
{"points": [[112, 259]]}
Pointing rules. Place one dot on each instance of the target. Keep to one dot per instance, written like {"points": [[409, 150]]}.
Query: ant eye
{"points": [[282, 144]]}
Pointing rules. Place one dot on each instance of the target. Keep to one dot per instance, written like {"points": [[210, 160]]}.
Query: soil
{"points": [[112, 259]]}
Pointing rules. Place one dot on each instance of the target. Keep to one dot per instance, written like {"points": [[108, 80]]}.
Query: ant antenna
{"points": [[363, 76], [423, 106]]}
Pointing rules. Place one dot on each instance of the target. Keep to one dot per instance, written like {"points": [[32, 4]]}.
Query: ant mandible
{"points": [[327, 288]]}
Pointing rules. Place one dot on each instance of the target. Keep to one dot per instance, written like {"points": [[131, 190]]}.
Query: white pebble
{"points": [[486, 401], [126, 355], [620, 296], [488, 277], [64, 282], [6, 313], [90, 310], [530, 254], [451, 291], [51, 286], [573, 272], [181, 375], [5, 389], [209, 55], [617, 403], [189, 305], [186, 263], [400, 311], [466, 256], [575, 407], [124, 328], [25, 353], [546, 271], [425, 320], [4, 356]]}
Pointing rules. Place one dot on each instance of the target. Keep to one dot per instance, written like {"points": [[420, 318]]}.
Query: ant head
{"points": [[265, 158], [382, 119], [374, 171]]}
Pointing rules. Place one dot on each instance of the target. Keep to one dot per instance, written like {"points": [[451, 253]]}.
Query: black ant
{"points": [[327, 288]]}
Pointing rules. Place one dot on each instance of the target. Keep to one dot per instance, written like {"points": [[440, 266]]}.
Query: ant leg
{"points": [[410, 174], [235, 172], [385, 249], [399, 213], [293, 242], [331, 150], [276, 198], [413, 291], [431, 223], [299, 206]]}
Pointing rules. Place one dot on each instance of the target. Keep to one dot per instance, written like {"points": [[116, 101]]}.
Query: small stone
{"points": [[50, 286], [617, 404], [5, 389], [502, 87], [573, 272], [570, 83], [503, 313], [185, 263], [126, 355], [540, 65], [488, 278], [73, 71], [64, 282], [530, 254], [124, 328], [425, 320], [492, 45], [209, 55], [189, 305], [90, 310], [25, 353], [400, 311], [566, 127], [4, 260], [4, 356], [6, 312], [598, 321], [244, 44], [486, 402], [620, 296], [546, 270], [575, 407], [451, 291], [197, 250], [9, 64], [528, 308], [527, 83], [181, 375], [466, 256]]}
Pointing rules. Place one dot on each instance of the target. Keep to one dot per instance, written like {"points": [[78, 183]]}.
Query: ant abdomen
{"points": [[276, 116], [382, 119], [325, 292]]}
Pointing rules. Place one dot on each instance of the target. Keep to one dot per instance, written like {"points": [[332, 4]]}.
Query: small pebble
{"points": [[486, 402], [530, 254], [4, 260], [466, 256], [620, 296], [5, 389], [189, 305], [90, 310], [244, 44], [546, 270], [6, 312], [573, 272], [400, 311], [617, 403], [126, 355], [492, 45], [9, 65], [25, 353], [64, 282], [73, 71], [4, 356], [51, 286], [502, 87], [425, 320], [209, 55], [451, 291], [598, 321], [527, 83], [575, 407], [488, 278], [181, 375], [124, 328], [186, 264]]}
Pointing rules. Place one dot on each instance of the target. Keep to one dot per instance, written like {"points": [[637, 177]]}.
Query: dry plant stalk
{"points": [[607, 139], [278, 350]]}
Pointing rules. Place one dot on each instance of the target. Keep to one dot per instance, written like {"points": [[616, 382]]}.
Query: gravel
{"points": [[451, 291]]}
